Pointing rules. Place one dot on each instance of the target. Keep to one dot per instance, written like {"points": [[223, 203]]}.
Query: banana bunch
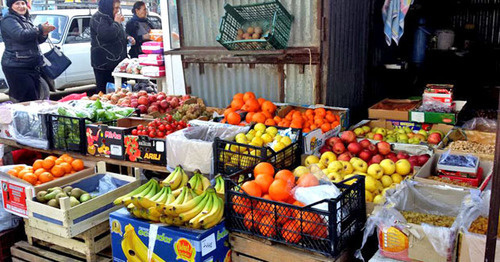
{"points": [[176, 179], [203, 211], [134, 249], [199, 182], [151, 187], [219, 185]]}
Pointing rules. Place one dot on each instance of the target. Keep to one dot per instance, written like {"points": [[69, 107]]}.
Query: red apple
{"points": [[422, 159], [365, 143], [164, 104], [324, 149], [345, 157], [434, 138], [338, 148], [143, 109], [373, 149], [384, 148], [134, 96], [376, 159], [152, 98], [160, 97], [333, 140], [143, 101], [134, 103], [175, 102], [348, 137], [413, 161], [355, 148], [142, 93], [378, 137], [403, 155], [392, 157], [366, 155]]}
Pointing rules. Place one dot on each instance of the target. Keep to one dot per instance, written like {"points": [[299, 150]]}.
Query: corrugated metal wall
{"points": [[201, 20], [299, 87], [484, 14]]}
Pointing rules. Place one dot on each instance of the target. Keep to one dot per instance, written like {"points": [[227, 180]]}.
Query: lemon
{"points": [[279, 146], [368, 196], [258, 140], [251, 131], [242, 140], [260, 127], [379, 199], [286, 140], [370, 184], [272, 131], [396, 178], [277, 137], [259, 133], [386, 181], [249, 136], [255, 153], [267, 138], [254, 144], [240, 136]]}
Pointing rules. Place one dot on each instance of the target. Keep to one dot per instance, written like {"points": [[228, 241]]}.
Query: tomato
{"points": [[144, 133], [182, 123], [168, 118], [169, 127], [161, 127], [151, 129], [134, 132], [169, 132], [140, 127], [152, 134], [160, 134]]}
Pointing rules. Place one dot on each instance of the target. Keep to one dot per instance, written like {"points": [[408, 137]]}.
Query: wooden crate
{"points": [[7, 239], [68, 221], [84, 246], [250, 249]]}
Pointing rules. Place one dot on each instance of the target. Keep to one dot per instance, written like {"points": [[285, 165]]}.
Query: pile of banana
{"points": [[219, 185], [191, 202]]}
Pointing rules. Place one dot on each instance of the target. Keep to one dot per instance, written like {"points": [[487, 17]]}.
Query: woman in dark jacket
{"points": [[21, 59], [138, 27], [109, 42]]}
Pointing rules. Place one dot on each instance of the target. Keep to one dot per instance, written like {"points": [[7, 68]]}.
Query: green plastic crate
{"points": [[272, 17]]}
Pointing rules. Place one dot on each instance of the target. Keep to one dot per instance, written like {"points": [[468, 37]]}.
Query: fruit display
{"points": [[177, 200], [94, 111], [48, 169], [450, 181], [397, 105], [219, 185], [400, 135], [260, 136], [52, 196], [146, 103], [435, 220], [310, 120], [190, 112], [471, 147], [480, 226], [160, 127], [251, 33], [258, 110]]}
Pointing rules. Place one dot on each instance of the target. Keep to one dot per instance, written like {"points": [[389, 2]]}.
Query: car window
{"points": [[79, 30], [155, 21], [59, 21]]}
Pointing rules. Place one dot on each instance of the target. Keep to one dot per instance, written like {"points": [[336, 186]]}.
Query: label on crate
{"points": [[14, 197], [208, 245], [116, 150]]}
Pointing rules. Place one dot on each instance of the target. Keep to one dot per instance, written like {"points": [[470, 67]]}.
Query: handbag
{"points": [[54, 61]]}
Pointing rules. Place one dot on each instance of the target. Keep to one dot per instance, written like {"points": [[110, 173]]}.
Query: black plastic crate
{"points": [[227, 161], [67, 133], [326, 232]]}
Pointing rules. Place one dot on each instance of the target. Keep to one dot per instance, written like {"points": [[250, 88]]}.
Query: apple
{"points": [[143, 109], [175, 102], [388, 166], [403, 167], [422, 159], [336, 177], [354, 147], [365, 155], [377, 158], [392, 157], [164, 104], [373, 149], [332, 141], [311, 160], [142, 93], [366, 129], [384, 148], [338, 148], [152, 109], [335, 167], [375, 171], [413, 161], [381, 131], [327, 157], [434, 138], [300, 170], [325, 149], [359, 131], [152, 98], [143, 101], [378, 137], [370, 135], [359, 165], [345, 156], [348, 137], [402, 155], [365, 143], [347, 168], [134, 103]]}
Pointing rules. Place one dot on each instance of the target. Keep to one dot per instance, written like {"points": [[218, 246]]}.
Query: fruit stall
{"points": [[142, 174]]}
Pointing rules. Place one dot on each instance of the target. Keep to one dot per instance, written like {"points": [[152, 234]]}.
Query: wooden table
{"points": [[160, 81], [108, 160]]}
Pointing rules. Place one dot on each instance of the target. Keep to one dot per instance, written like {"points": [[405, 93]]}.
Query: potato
{"points": [[255, 36], [247, 36], [240, 32], [258, 30], [250, 30]]}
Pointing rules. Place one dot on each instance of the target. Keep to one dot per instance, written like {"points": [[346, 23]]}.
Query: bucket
{"points": [[445, 39]]}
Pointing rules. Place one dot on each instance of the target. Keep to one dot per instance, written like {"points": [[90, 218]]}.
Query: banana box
{"points": [[135, 239]]}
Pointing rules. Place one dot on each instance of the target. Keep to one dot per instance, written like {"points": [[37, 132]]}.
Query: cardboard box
{"points": [[109, 141], [441, 93], [145, 150], [169, 243], [437, 117], [472, 247], [315, 139], [379, 111], [430, 168]]}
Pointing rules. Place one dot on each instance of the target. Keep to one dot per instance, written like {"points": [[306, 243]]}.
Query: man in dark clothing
{"points": [[138, 27], [109, 42]]}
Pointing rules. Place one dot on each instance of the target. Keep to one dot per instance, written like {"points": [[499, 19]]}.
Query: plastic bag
{"points": [[481, 124], [449, 159], [7, 220], [436, 106], [122, 66], [106, 184]]}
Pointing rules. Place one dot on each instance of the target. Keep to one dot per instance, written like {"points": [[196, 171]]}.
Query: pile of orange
{"points": [[269, 219], [258, 110], [310, 120], [48, 169]]}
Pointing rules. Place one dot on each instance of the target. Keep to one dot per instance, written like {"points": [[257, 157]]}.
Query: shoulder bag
{"points": [[54, 61]]}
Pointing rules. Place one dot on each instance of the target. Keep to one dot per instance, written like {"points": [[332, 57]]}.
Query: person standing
{"points": [[138, 27], [109, 42], [21, 59]]}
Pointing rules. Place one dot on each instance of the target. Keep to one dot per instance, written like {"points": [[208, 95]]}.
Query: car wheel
{"points": [[44, 89]]}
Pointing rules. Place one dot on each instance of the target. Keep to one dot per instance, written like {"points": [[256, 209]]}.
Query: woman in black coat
{"points": [[21, 59], [138, 27], [109, 42]]}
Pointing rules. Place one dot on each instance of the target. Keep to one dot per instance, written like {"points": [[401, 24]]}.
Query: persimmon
{"points": [[77, 165], [286, 175], [280, 190], [296, 124], [307, 180], [237, 104], [267, 226], [233, 118], [291, 231], [252, 188], [263, 168], [264, 181]]}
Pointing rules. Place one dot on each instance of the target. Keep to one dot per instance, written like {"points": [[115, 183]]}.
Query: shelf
{"points": [[108, 160]]}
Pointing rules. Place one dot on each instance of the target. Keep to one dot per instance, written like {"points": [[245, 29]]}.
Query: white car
{"points": [[72, 35]]}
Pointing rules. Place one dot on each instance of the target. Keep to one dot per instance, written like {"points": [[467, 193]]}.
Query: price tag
{"points": [[208, 245], [14, 197], [116, 150], [160, 146], [418, 117]]}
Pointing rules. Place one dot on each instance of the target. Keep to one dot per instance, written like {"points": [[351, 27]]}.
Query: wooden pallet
{"points": [[85, 245], [250, 249], [24, 252]]}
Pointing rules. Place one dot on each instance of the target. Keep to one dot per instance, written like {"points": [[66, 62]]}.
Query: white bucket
{"points": [[445, 39]]}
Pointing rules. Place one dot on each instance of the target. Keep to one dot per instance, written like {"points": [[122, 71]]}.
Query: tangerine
{"points": [[248, 95], [267, 226], [67, 167], [39, 171], [320, 112], [325, 127], [77, 165], [252, 105], [37, 164], [237, 104], [52, 157], [30, 178], [264, 207], [57, 171], [277, 119], [238, 96], [48, 163], [261, 100], [59, 161]]}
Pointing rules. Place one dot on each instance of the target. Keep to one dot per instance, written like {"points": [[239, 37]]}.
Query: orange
{"points": [[252, 188], [77, 165], [335, 124], [251, 105], [261, 101], [296, 124], [249, 95], [313, 127], [21, 173], [249, 116], [286, 175], [227, 111], [263, 168], [19, 168], [267, 115], [267, 226], [259, 118], [277, 119], [297, 115], [237, 104], [306, 130], [263, 207], [13, 172], [67, 167], [318, 121], [37, 164], [252, 220], [268, 106], [233, 118], [325, 127], [238, 96], [30, 178], [284, 213], [280, 190], [270, 122], [39, 171], [309, 112], [329, 117], [48, 163], [52, 157], [291, 231], [309, 221], [57, 171], [45, 177], [241, 205], [320, 112], [264, 181], [59, 161], [289, 115]]}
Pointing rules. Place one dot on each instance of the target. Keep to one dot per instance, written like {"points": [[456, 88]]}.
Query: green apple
{"points": [[327, 158], [300, 170], [360, 165], [366, 129], [403, 167], [335, 167], [375, 171], [370, 135], [312, 159], [359, 131], [388, 166], [347, 168], [423, 132], [402, 137]]}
